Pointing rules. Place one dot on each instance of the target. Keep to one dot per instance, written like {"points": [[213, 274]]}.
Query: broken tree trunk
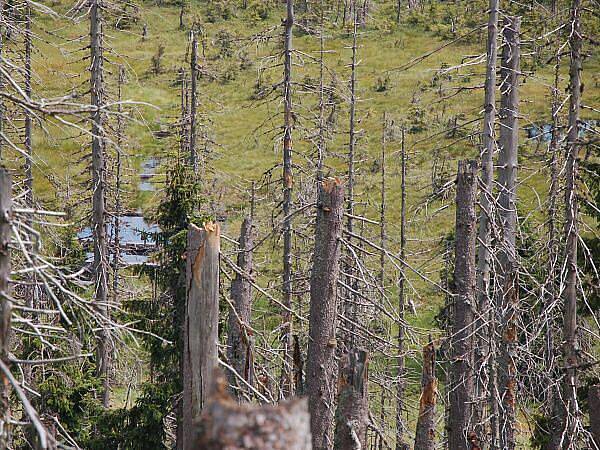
{"points": [[425, 433], [225, 425], [321, 365], [5, 303], [461, 370], [506, 276], [239, 338], [352, 414], [201, 322]]}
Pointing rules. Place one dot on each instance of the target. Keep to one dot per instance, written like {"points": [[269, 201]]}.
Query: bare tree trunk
{"points": [[321, 364], [571, 413], [117, 213], [461, 395], [425, 433], [5, 302], [3, 24], [400, 388], [352, 415], [507, 275], [201, 321], [225, 425], [239, 340], [28, 121], [193, 101], [99, 187], [486, 202], [287, 388], [594, 407]]}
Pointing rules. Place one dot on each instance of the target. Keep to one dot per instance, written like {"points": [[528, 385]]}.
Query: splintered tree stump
{"points": [[225, 425], [425, 434], [352, 416]]}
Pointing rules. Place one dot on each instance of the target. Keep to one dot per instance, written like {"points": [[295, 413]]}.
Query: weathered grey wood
{"points": [[239, 339], [352, 414], [5, 303], [425, 432], [594, 408], [225, 425], [98, 191], [461, 370], [486, 201], [570, 413], [287, 387], [506, 276], [321, 365], [201, 322]]}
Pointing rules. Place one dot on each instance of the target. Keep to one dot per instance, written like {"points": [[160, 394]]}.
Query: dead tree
{"points": [[193, 101], [425, 432], [5, 302], [98, 190], [2, 112], [28, 121], [225, 425], [288, 182], [321, 365], [486, 214], [400, 387], [239, 337], [352, 414], [201, 323], [461, 370], [571, 413], [507, 272], [120, 138]]}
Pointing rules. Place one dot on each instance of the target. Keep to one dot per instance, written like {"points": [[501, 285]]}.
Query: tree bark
{"points": [[352, 415], [28, 121], [570, 413], [594, 407], [461, 370], [506, 276], [193, 101], [321, 365], [425, 433], [287, 387], [5, 302], [239, 339], [201, 323], [99, 188], [225, 425], [486, 200]]}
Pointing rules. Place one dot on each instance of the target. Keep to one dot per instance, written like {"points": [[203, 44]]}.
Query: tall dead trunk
{"points": [[461, 370], [3, 24], [570, 414], [225, 425], [287, 387], [425, 433], [352, 414], [193, 101], [400, 387], [28, 121], [506, 275], [98, 189], [5, 302], [119, 141], [321, 364], [486, 201], [239, 339], [201, 321]]}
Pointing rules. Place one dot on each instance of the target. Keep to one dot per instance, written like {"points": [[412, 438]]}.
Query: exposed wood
{"points": [[225, 425], [239, 338], [507, 272], [425, 432], [321, 364], [201, 321], [352, 414], [461, 370]]}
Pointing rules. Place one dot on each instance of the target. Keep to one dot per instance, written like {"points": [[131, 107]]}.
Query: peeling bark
{"points": [[425, 433]]}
